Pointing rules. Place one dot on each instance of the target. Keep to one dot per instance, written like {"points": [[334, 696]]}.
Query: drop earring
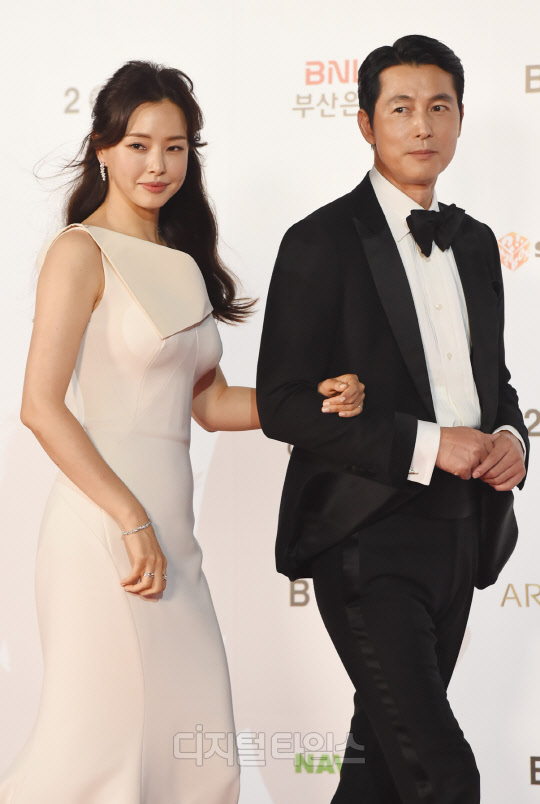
{"points": [[102, 171]]}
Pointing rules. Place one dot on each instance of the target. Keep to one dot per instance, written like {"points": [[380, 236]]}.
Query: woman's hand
{"points": [[345, 394], [148, 563]]}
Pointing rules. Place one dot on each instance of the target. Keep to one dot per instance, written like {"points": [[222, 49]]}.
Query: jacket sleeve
{"points": [[508, 411], [298, 348]]}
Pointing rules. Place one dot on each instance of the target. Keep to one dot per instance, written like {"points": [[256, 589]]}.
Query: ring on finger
{"points": [[148, 575], [164, 577]]}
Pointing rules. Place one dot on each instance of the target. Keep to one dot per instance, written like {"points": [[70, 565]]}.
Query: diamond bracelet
{"points": [[141, 527]]}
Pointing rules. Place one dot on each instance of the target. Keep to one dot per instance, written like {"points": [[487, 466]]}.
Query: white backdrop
{"points": [[278, 148]]}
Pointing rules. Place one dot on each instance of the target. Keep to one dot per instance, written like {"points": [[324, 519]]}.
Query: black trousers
{"points": [[395, 598]]}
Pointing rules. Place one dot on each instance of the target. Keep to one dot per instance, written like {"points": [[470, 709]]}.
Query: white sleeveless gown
{"points": [[124, 676]]}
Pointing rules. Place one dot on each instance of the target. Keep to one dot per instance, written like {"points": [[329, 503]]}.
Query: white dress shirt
{"points": [[442, 316]]}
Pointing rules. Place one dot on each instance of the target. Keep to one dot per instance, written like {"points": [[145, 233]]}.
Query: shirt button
{"points": [[449, 355], [438, 307]]}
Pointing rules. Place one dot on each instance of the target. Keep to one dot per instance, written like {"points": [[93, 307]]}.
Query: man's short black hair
{"points": [[413, 49]]}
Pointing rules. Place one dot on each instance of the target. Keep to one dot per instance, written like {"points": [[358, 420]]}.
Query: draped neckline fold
{"points": [[166, 283]]}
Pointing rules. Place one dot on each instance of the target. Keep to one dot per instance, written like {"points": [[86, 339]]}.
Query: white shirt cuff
{"points": [[514, 432], [426, 448]]}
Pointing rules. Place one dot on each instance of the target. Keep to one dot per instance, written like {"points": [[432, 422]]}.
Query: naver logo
{"points": [[322, 755], [318, 763]]}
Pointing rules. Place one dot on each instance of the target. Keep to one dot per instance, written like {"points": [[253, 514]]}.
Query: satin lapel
{"points": [[482, 308], [392, 286]]}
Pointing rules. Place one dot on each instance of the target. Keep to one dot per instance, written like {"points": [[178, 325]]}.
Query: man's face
{"points": [[415, 127]]}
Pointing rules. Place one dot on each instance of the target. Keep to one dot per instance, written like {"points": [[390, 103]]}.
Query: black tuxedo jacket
{"points": [[339, 301]]}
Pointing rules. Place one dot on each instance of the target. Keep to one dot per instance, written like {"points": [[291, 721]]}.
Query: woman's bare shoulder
{"points": [[76, 244], [76, 252]]}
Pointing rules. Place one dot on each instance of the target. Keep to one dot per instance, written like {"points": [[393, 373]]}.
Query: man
{"points": [[398, 513]]}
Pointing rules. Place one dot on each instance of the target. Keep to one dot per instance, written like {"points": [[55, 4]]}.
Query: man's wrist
{"points": [[425, 452]]}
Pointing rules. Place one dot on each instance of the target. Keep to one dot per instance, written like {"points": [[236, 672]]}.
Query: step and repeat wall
{"points": [[276, 81]]}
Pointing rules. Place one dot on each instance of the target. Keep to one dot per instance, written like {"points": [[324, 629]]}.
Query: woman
{"points": [[134, 661]]}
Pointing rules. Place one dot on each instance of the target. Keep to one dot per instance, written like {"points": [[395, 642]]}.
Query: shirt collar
{"points": [[395, 205]]}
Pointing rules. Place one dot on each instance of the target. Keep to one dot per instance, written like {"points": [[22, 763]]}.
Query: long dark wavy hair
{"points": [[186, 221]]}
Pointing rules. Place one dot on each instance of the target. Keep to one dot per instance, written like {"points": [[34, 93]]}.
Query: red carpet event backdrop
{"points": [[276, 81]]}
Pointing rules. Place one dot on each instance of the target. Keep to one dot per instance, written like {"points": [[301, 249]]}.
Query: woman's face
{"points": [[148, 166]]}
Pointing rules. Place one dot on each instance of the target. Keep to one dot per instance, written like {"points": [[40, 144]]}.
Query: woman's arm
{"points": [[216, 406], [69, 288]]}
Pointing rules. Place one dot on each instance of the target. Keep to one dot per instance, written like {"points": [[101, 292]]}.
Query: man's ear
{"points": [[365, 127], [462, 116]]}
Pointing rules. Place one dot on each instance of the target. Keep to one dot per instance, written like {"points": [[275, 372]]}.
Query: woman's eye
{"points": [[176, 148], [399, 109], [137, 146]]}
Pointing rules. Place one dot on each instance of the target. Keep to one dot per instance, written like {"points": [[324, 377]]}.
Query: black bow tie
{"points": [[427, 226]]}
